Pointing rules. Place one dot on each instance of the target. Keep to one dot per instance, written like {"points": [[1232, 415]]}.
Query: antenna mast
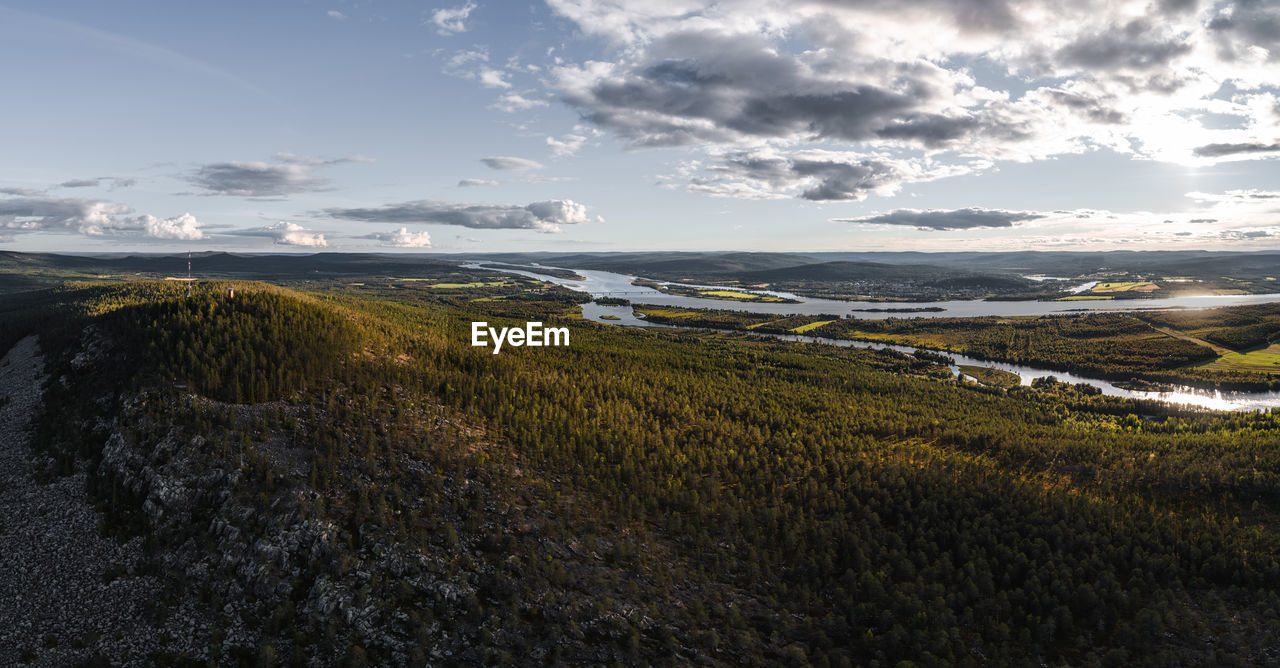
{"points": [[188, 273]]}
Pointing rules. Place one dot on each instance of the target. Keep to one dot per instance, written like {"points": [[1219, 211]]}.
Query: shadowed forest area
{"points": [[339, 472]]}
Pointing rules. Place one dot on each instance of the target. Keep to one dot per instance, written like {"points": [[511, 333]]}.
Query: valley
{"points": [[328, 469]]}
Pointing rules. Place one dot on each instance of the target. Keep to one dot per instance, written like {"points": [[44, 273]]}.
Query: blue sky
{"points": [[619, 125]]}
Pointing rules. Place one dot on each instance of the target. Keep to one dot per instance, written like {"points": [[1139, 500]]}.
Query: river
{"points": [[608, 284]]}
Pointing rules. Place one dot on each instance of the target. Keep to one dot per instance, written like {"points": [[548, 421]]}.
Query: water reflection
{"points": [[600, 283]]}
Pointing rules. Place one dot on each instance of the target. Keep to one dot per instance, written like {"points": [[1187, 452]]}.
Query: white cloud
{"points": [[491, 78], [184, 227], [402, 238], [287, 234], [92, 218], [451, 21], [568, 146], [512, 102], [476, 183], [336, 15]]}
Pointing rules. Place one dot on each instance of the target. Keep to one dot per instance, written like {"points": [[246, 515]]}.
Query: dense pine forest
{"points": [[336, 475]]}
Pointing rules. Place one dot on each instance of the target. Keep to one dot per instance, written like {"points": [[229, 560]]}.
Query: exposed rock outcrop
{"points": [[69, 594]]}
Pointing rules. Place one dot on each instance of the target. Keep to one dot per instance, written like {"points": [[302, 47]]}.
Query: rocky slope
{"points": [[70, 595]]}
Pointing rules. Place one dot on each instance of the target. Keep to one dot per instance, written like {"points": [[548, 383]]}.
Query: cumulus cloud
{"points": [[92, 218], [996, 80], [183, 228], [493, 78], [451, 21], [545, 216], [709, 83], [476, 183], [401, 238], [941, 219], [285, 175], [85, 216], [509, 163], [287, 234]]}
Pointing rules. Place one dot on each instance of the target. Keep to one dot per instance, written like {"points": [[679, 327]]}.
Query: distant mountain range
{"points": [[745, 266]]}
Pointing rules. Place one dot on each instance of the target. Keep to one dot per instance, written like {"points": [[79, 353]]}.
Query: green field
{"points": [[738, 296], [1266, 360], [455, 286], [813, 325], [992, 377], [1126, 286], [1081, 298]]}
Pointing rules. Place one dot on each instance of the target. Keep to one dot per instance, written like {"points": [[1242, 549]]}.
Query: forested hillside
{"points": [[338, 476]]}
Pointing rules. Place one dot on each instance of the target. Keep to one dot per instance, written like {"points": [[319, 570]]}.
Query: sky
{"points": [[585, 125]]}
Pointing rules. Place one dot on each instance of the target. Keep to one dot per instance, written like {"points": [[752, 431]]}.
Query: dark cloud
{"points": [[476, 183], [1219, 150], [938, 219], [848, 114], [19, 191], [1245, 235], [1091, 108], [726, 89], [1131, 47], [546, 216], [510, 163], [845, 180], [286, 174], [817, 175], [1242, 24], [994, 16]]}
